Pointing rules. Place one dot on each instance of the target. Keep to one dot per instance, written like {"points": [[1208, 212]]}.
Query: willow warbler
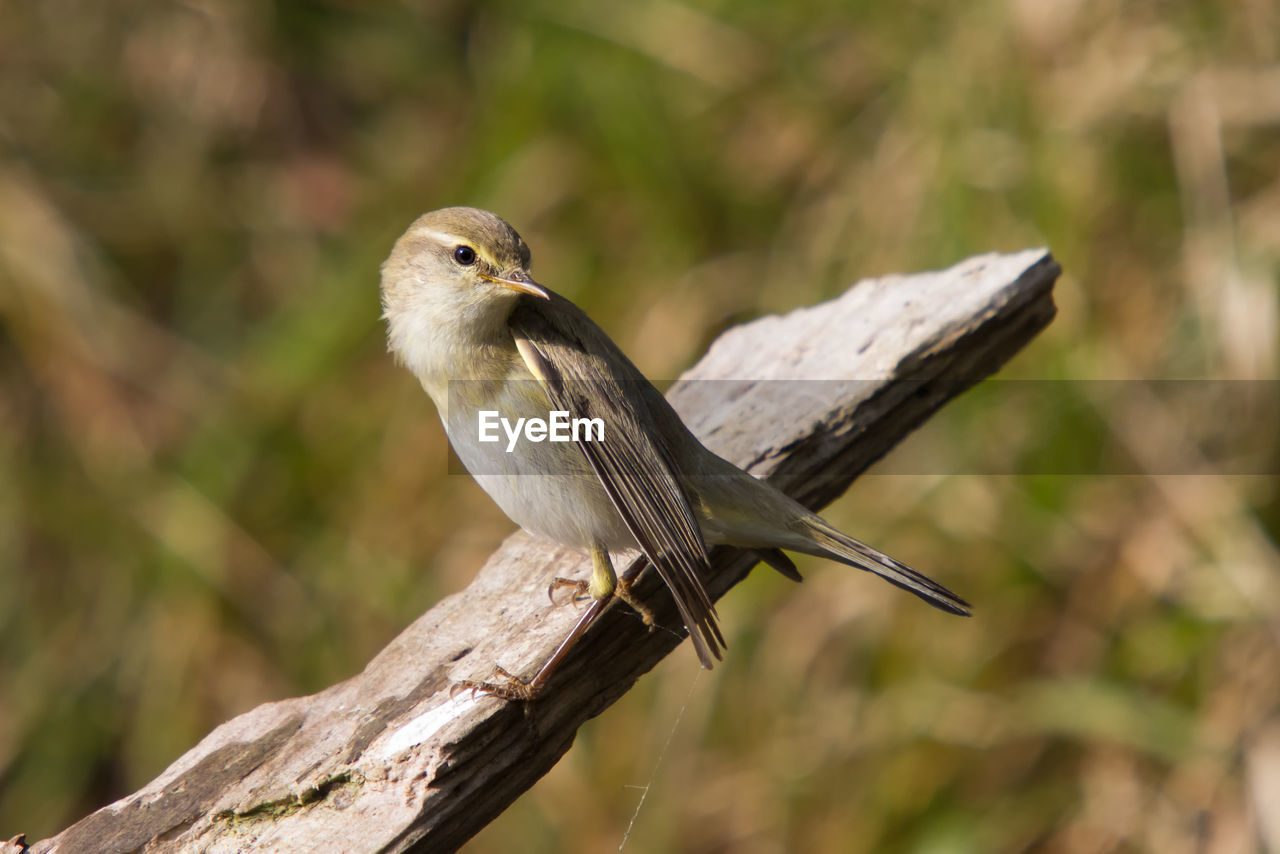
{"points": [[500, 354]]}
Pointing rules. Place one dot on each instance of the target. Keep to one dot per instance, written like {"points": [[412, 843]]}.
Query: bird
{"points": [[491, 345]]}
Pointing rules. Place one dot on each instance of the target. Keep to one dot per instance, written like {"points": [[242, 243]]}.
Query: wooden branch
{"points": [[390, 761]]}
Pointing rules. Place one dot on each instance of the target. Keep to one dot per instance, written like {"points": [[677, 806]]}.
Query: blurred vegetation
{"points": [[218, 490]]}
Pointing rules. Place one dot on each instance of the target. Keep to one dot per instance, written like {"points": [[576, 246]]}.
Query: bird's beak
{"points": [[518, 280]]}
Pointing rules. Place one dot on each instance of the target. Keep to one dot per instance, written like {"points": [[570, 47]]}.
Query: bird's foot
{"points": [[580, 589], [506, 686], [621, 591]]}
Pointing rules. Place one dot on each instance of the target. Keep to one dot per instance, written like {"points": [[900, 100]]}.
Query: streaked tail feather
{"points": [[840, 546]]}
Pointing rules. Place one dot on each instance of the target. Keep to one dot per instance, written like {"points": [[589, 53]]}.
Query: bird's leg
{"points": [[604, 585], [622, 590], [512, 687], [603, 588]]}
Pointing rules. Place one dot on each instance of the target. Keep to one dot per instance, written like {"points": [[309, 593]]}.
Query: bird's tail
{"points": [[826, 541]]}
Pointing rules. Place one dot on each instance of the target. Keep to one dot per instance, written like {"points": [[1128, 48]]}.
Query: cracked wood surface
{"points": [[389, 761]]}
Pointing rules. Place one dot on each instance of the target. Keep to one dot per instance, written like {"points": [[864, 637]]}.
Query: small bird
{"points": [[492, 346]]}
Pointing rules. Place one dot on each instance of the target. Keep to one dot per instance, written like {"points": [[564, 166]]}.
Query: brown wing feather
{"points": [[636, 469]]}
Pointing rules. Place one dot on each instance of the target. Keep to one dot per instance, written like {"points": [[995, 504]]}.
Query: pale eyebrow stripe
{"points": [[442, 236]]}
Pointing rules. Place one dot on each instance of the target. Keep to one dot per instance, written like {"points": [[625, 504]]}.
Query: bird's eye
{"points": [[464, 255]]}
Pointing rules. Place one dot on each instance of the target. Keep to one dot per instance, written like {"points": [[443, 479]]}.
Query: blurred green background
{"points": [[216, 488]]}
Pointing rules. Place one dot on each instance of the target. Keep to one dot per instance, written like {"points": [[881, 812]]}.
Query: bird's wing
{"points": [[567, 352]]}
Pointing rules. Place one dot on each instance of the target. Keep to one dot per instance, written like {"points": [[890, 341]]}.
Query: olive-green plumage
{"points": [[464, 314]]}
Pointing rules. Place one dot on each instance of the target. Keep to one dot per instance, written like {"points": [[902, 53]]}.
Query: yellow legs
{"points": [[605, 585]]}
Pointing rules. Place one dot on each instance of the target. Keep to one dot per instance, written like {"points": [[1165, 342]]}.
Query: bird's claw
{"points": [[557, 583], [623, 593], [507, 686]]}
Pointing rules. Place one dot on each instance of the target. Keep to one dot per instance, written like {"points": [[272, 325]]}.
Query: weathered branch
{"points": [[389, 761]]}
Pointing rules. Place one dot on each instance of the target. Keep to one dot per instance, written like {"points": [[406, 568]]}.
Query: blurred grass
{"points": [[218, 490]]}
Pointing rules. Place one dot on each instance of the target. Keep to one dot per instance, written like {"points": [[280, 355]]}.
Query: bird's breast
{"points": [[506, 435]]}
